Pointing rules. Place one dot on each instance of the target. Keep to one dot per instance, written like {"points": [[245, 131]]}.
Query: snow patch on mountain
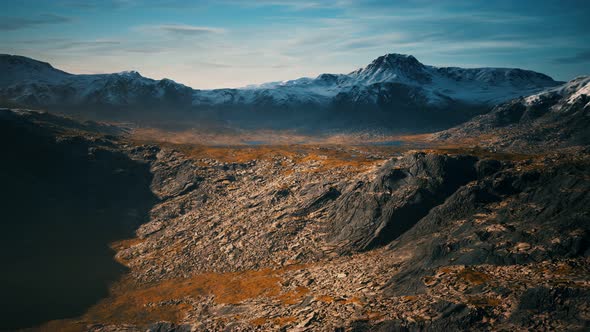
{"points": [[473, 85], [28, 80], [572, 91]]}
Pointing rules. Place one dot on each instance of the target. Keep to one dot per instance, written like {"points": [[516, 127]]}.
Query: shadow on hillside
{"points": [[62, 203]]}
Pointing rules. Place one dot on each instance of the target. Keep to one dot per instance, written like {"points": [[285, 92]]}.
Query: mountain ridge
{"points": [[387, 92], [556, 118]]}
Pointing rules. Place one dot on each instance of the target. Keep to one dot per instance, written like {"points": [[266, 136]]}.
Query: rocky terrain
{"points": [[556, 118], [312, 237]]}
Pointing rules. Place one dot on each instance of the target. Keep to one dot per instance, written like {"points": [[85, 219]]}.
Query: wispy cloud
{"points": [[89, 4], [581, 57], [88, 44], [292, 4], [188, 30], [18, 23], [126, 4]]}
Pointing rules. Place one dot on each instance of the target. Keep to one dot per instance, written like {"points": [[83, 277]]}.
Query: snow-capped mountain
{"points": [[33, 83], [473, 85], [557, 117], [19, 69], [569, 93], [394, 88]]}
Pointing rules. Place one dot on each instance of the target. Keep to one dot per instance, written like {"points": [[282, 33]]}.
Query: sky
{"points": [[234, 43]]}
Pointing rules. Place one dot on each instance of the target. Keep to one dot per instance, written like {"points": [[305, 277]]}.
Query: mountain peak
{"points": [[16, 68], [394, 67], [397, 59], [19, 60], [129, 73]]}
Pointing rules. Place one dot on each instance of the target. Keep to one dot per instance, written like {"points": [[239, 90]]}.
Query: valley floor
{"points": [[325, 237]]}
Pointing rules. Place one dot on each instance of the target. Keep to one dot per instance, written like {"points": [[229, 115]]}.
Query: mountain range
{"points": [[393, 91]]}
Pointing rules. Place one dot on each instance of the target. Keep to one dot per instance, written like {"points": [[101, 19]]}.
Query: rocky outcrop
{"points": [[557, 118], [520, 214], [374, 212]]}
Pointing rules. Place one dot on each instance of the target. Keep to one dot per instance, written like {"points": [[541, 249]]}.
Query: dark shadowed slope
{"points": [[64, 199]]}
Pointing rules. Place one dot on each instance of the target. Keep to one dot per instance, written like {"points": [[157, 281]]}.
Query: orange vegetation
{"points": [[373, 315], [330, 159], [259, 321], [325, 298], [483, 301], [478, 152], [65, 325], [295, 296], [229, 137], [124, 244], [326, 157], [474, 277], [409, 298], [412, 138], [327, 152], [284, 320], [563, 269], [170, 300], [354, 300], [164, 300]]}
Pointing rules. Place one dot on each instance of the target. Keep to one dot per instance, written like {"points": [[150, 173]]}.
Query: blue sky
{"points": [[232, 43]]}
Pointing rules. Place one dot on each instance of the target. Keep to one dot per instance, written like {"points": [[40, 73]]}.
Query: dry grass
{"points": [[226, 137], [409, 298], [122, 245], [126, 243], [233, 137], [373, 315], [353, 300], [169, 300], [335, 151], [483, 301], [324, 156], [280, 321], [259, 321], [295, 296], [65, 325], [332, 158], [284, 320], [145, 304], [478, 152], [474, 277], [325, 298], [412, 138]]}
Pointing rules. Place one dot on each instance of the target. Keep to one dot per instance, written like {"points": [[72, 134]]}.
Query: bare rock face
{"points": [[174, 177], [518, 215], [556, 118], [372, 213]]}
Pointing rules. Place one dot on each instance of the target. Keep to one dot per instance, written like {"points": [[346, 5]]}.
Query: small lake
{"points": [[255, 142]]}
